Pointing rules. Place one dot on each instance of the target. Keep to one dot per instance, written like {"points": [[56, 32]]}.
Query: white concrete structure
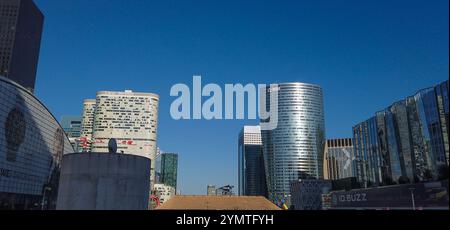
{"points": [[104, 181], [130, 118], [87, 124], [163, 192]]}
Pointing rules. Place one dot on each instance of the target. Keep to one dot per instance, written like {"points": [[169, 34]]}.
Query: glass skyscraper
{"points": [[169, 169], [252, 180], [405, 143], [294, 149]]}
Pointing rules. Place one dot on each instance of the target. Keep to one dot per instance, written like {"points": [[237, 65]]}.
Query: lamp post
{"points": [[46, 188], [412, 198]]}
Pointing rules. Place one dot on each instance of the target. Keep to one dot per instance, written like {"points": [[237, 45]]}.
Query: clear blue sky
{"points": [[365, 55]]}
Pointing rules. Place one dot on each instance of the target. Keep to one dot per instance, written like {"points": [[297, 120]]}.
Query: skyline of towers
{"points": [[21, 25], [294, 150]]}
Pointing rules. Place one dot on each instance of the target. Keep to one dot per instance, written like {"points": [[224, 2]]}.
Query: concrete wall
{"points": [[104, 181]]}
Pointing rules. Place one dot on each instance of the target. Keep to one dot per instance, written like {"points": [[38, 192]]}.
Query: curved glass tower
{"points": [[294, 150]]}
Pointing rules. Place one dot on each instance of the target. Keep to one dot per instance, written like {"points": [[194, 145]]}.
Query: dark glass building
{"points": [[21, 24], [252, 179], [169, 169], [405, 143]]}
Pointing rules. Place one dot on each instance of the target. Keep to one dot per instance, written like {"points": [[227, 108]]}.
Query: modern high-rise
{"points": [[72, 127], [130, 118], [87, 124], [251, 174], [21, 24], [169, 169], [406, 142], [294, 149], [338, 159]]}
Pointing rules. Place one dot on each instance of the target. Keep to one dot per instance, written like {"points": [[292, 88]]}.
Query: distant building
{"points": [[87, 125], [169, 169], [218, 203], [406, 142], [211, 190], [307, 194], [338, 159], [163, 192], [226, 190], [72, 127], [20, 41], [252, 177]]}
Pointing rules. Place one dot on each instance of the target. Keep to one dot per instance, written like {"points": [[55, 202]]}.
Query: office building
{"points": [[21, 24], [338, 159], [104, 181], [307, 193], [251, 174], [169, 169], [163, 192], [128, 117], [406, 142], [294, 150], [87, 124], [211, 190], [31, 147], [72, 127]]}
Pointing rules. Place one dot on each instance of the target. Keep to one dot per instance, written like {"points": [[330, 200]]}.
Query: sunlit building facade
{"points": [[405, 143], [87, 124], [129, 117], [294, 150]]}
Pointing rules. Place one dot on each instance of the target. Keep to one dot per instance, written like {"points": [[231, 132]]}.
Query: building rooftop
{"points": [[218, 203]]}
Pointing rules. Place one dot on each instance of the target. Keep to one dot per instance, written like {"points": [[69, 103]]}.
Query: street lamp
{"points": [[43, 196], [412, 198]]}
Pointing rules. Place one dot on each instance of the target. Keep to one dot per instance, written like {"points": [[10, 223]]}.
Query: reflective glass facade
{"points": [[252, 180], [405, 143], [169, 169], [31, 147], [294, 150]]}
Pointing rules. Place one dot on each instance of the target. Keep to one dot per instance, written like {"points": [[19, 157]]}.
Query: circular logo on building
{"points": [[15, 128]]}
